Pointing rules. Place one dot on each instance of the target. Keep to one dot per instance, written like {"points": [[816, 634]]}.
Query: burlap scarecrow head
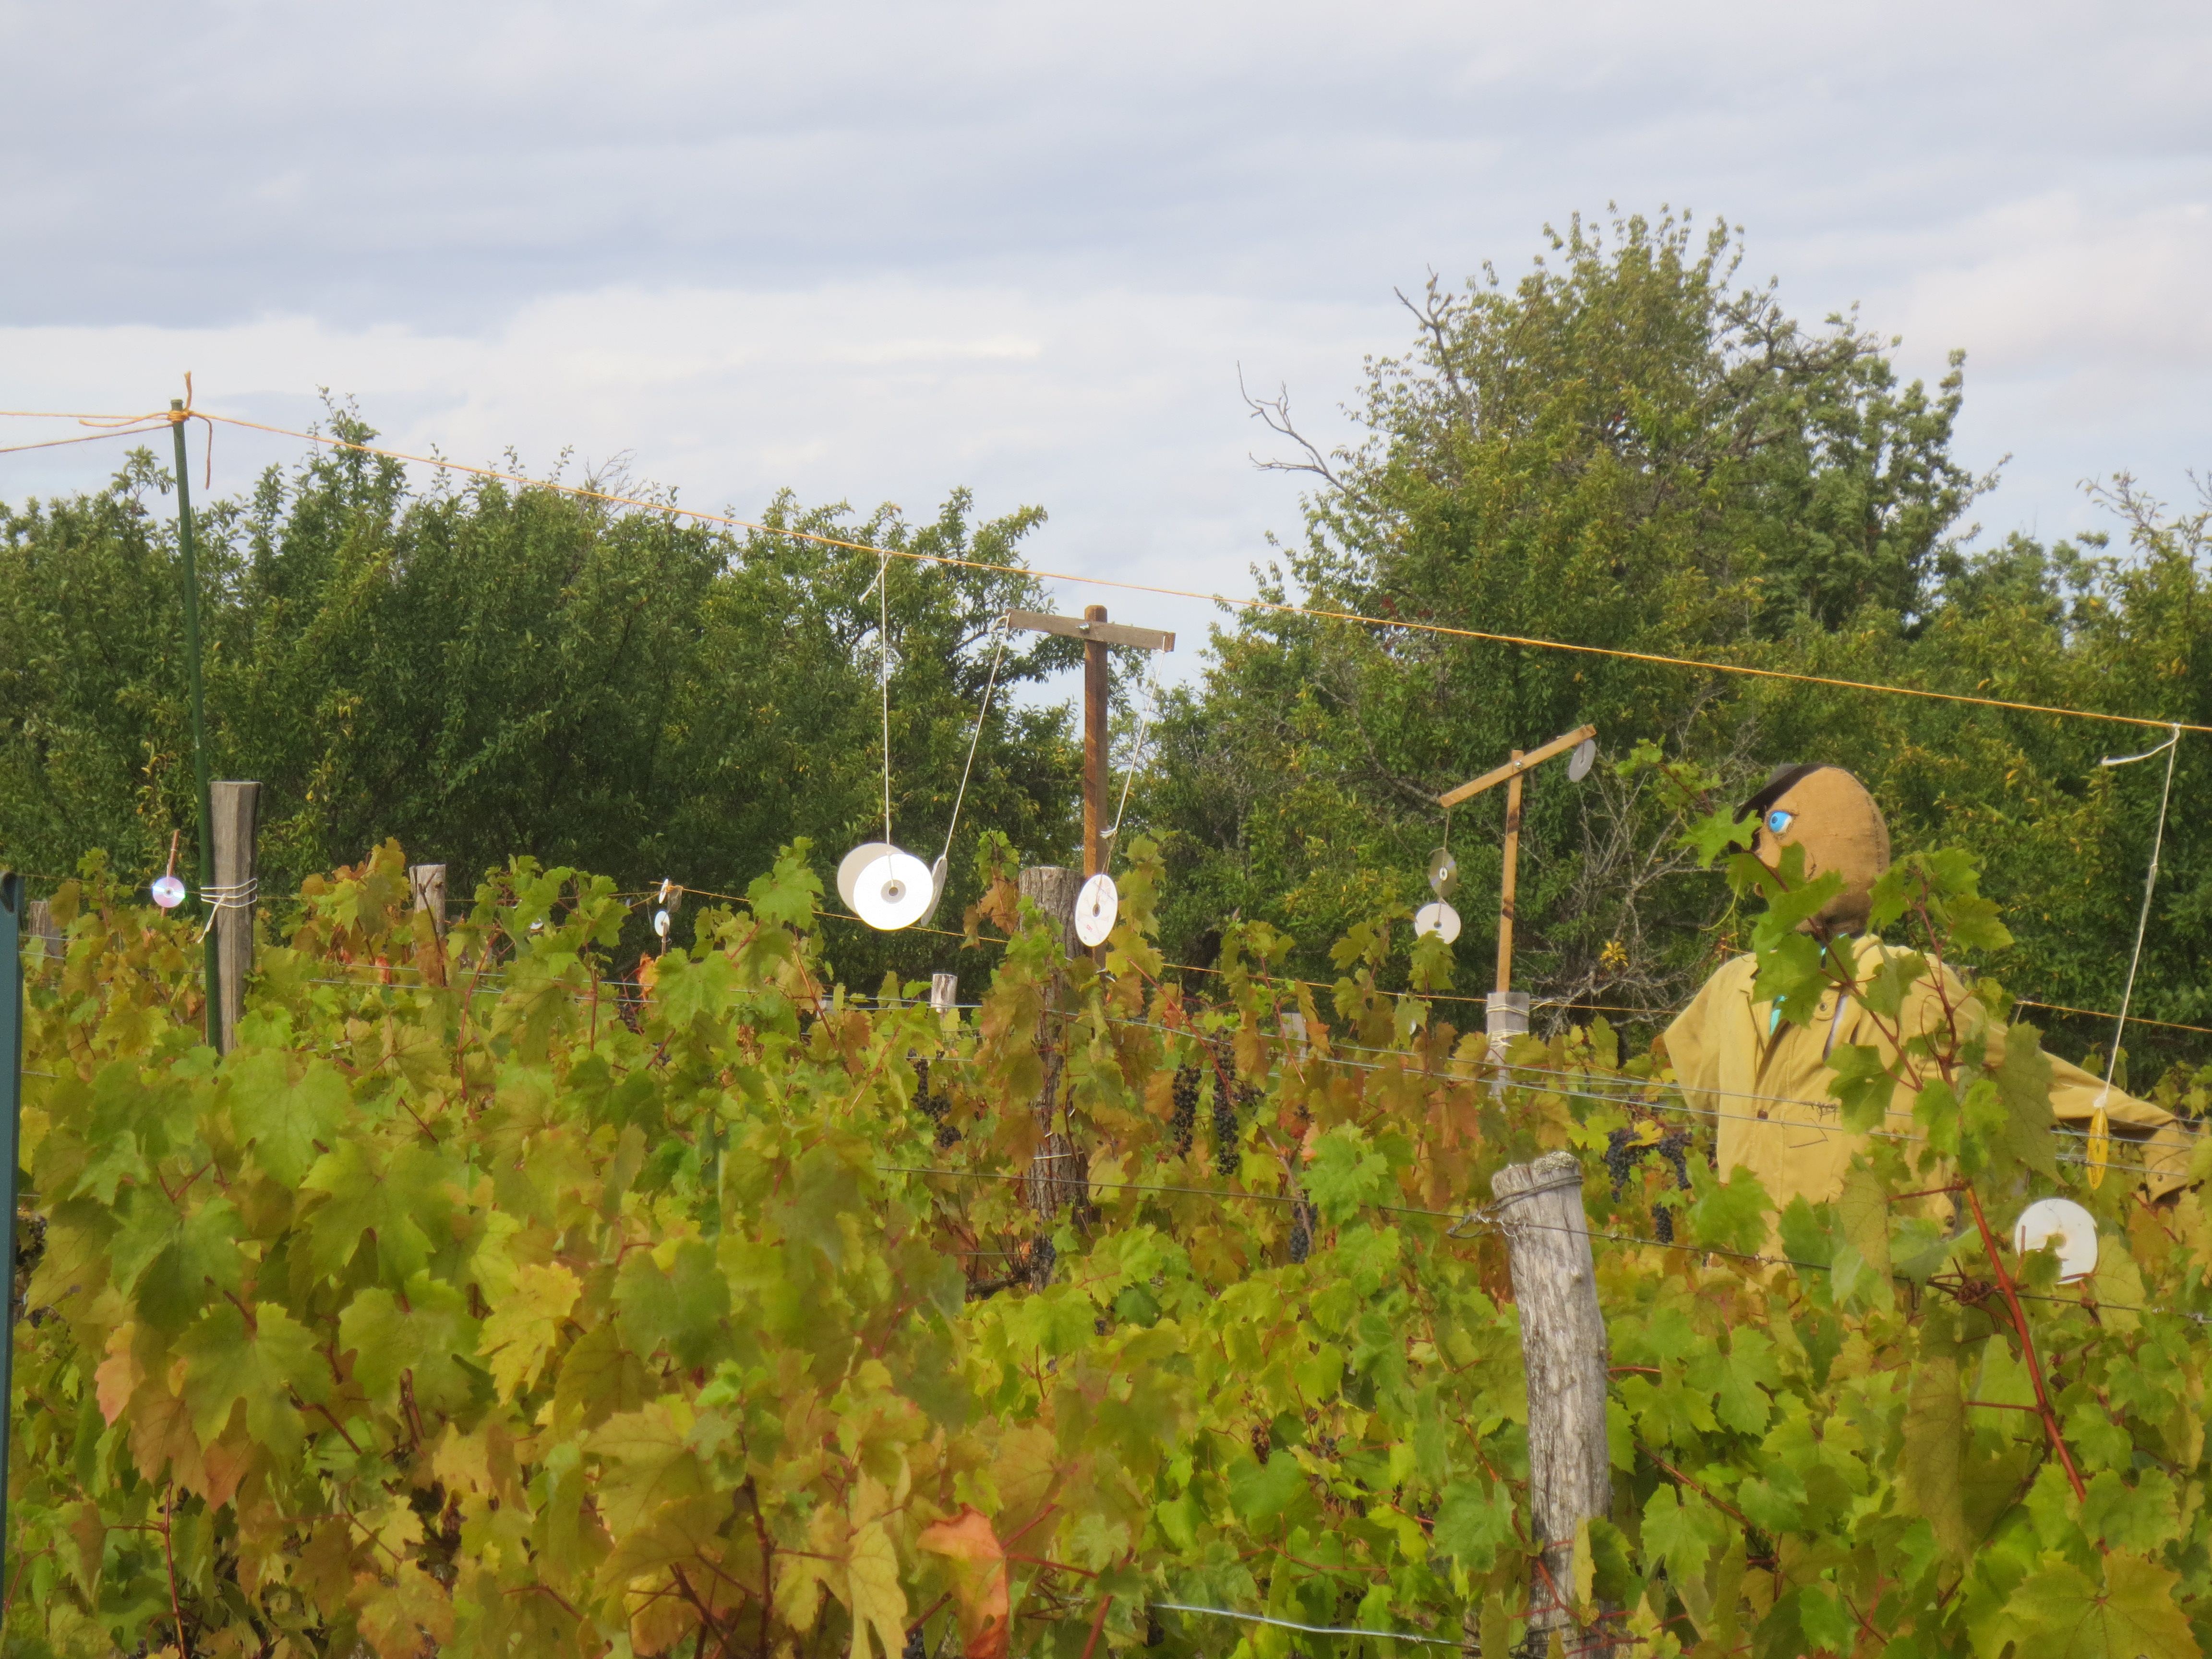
{"points": [[1827, 811]]}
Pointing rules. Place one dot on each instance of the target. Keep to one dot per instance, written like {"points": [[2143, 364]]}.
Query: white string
{"points": [[973, 742], [237, 896], [883, 674], [1314, 1630], [1136, 758], [2173, 747]]}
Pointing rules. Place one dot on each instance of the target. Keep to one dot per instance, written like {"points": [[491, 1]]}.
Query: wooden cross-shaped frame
{"points": [[1097, 633]]}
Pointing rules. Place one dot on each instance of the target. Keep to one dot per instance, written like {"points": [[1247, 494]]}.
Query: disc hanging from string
{"points": [[1439, 919], [2067, 1228], [1095, 909], [849, 868], [168, 891], [893, 891], [1579, 762], [1443, 873]]}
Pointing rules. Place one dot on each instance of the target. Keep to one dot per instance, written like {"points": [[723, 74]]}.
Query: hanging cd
{"points": [[168, 892], [660, 923], [1443, 873], [849, 868], [936, 882], [892, 892], [1578, 763], [1096, 907], [1439, 919], [2067, 1228]]}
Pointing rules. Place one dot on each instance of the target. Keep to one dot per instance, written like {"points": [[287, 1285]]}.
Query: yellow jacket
{"points": [[1766, 1083]]}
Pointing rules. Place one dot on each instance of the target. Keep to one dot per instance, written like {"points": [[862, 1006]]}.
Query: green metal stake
{"points": [[11, 1124], [199, 713]]}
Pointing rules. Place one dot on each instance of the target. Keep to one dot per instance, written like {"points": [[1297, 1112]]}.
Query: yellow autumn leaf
{"points": [[523, 1328]]}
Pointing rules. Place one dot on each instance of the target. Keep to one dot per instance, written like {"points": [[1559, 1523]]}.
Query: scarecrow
{"points": [[1767, 1079]]}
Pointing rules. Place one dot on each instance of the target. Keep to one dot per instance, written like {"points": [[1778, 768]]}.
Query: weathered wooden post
{"points": [[1057, 1168], [1053, 891], [1563, 1355], [235, 809], [41, 925], [427, 884], [13, 905]]}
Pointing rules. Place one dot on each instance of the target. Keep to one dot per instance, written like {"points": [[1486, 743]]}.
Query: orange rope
{"points": [[2107, 1013], [1187, 593], [1275, 607], [89, 437]]}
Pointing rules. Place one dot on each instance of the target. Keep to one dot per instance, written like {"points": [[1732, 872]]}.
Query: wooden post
{"points": [[12, 908], [1509, 880], [43, 927], [428, 882], [1564, 1356], [1097, 633], [1057, 1167], [236, 809], [1054, 890], [1096, 686]]}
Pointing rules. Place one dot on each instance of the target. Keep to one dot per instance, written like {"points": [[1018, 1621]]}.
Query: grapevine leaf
{"points": [[1474, 1523], [524, 1327], [288, 1124], [1260, 1491], [227, 1362], [2057, 1612], [1935, 1428], [980, 1580], [1347, 1172]]}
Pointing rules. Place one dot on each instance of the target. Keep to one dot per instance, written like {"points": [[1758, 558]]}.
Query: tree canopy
{"points": [[1621, 450]]}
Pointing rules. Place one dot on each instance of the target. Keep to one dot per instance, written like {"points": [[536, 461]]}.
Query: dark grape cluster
{"points": [[916, 1646], [1623, 1153], [1184, 1123], [1301, 1231], [937, 1108], [1227, 1098]]}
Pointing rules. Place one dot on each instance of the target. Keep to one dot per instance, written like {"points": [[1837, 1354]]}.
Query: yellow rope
{"points": [[1187, 593]]}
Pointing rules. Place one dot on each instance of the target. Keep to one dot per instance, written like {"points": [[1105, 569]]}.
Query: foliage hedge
{"points": [[485, 1302]]}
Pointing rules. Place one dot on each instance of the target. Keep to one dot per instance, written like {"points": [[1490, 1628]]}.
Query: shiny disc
{"points": [[849, 867], [893, 892], [1443, 873], [936, 882], [168, 892], [1578, 763], [1096, 907], [2067, 1228], [1439, 919]]}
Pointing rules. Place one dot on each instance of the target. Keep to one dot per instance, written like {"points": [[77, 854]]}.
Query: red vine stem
{"points": [[169, 1559], [2027, 1347]]}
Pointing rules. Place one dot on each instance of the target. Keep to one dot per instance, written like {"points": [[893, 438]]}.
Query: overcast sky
{"points": [[874, 251]]}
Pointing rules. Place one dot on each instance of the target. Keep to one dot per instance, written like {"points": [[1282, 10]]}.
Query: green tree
{"points": [[486, 670], [1622, 449]]}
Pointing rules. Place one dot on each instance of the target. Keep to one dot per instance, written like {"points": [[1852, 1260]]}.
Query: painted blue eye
{"points": [[1779, 821]]}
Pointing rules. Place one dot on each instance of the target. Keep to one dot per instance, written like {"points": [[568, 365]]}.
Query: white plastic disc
{"points": [[168, 892], [936, 882], [660, 923], [1578, 763], [892, 892], [1443, 873], [849, 867], [1439, 919], [2067, 1228], [1096, 907]]}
